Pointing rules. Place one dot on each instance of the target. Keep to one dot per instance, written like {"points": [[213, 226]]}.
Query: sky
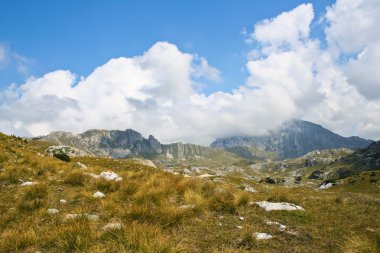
{"points": [[189, 71]]}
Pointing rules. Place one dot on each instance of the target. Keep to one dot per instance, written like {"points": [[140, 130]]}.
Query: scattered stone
{"points": [[241, 218], [273, 206], [249, 188], [88, 216], [325, 186], [53, 211], [99, 194], [62, 201], [107, 175], [81, 166], [111, 176], [60, 189], [280, 226], [205, 175], [221, 217], [113, 225], [92, 216], [239, 227], [291, 232], [28, 183], [262, 236], [187, 206]]}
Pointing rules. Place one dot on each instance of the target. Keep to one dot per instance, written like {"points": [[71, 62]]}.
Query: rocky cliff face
{"points": [[293, 139], [120, 144]]}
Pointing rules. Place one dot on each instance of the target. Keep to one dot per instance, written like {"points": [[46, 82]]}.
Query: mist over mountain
{"points": [[293, 139]]}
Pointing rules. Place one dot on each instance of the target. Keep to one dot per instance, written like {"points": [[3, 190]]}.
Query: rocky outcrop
{"points": [[293, 139], [184, 151], [122, 144]]}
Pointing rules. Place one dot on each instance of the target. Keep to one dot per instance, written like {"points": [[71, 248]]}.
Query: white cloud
{"points": [[354, 29], [290, 76], [323, 90], [286, 30]]}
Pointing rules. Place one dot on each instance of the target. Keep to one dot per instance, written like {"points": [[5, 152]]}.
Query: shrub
{"points": [[62, 157], [75, 178]]}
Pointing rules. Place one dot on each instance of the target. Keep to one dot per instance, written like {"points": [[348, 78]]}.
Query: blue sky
{"points": [[81, 35]]}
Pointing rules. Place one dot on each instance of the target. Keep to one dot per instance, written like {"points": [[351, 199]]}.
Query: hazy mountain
{"points": [[293, 139]]}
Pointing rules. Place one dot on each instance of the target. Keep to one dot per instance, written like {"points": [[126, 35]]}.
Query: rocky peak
{"points": [[294, 138]]}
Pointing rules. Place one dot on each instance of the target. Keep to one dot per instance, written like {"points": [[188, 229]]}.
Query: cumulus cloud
{"points": [[323, 88], [290, 76], [353, 29]]}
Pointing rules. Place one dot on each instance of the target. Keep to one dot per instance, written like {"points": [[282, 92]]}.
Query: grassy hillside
{"points": [[151, 210]]}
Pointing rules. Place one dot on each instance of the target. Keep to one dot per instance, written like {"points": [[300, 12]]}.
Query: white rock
{"points": [[88, 216], [145, 162], [114, 225], [205, 175], [280, 226], [92, 216], [187, 206], [325, 186], [111, 176], [99, 194], [72, 215], [249, 189], [262, 236], [239, 227], [241, 218], [81, 165], [52, 211], [28, 183], [273, 206], [62, 201]]}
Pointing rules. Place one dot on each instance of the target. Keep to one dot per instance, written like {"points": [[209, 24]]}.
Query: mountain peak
{"points": [[294, 138]]}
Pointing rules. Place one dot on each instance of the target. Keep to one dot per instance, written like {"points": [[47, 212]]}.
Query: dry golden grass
{"points": [[162, 212]]}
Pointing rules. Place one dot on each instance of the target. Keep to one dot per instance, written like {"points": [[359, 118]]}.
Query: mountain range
{"points": [[292, 139]]}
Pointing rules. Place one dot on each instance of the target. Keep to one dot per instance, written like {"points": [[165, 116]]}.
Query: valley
{"points": [[185, 198]]}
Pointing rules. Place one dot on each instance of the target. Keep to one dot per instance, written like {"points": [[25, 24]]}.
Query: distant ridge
{"points": [[122, 144], [293, 139]]}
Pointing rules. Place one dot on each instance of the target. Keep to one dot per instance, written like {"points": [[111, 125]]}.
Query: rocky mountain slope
{"points": [[361, 160], [293, 139], [128, 143]]}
